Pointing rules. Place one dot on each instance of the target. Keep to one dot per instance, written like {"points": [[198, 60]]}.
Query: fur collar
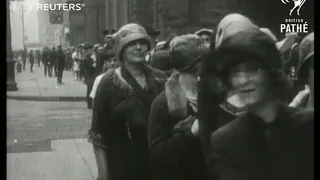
{"points": [[118, 81], [176, 98]]}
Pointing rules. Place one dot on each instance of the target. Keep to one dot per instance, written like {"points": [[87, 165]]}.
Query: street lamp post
{"points": [[23, 29], [11, 83]]}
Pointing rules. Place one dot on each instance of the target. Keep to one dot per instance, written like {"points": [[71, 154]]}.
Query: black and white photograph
{"points": [[160, 89]]}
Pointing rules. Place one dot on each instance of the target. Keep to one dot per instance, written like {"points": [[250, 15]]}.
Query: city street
{"points": [[36, 86], [31, 121], [48, 139]]}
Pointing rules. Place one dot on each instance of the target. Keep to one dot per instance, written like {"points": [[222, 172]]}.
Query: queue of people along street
{"points": [[215, 104]]}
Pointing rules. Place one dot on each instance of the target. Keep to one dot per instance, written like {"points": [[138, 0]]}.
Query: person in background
{"points": [[106, 52], [46, 60], [53, 60], [94, 54], [305, 97], [60, 64], [31, 59], [70, 60], [66, 52], [175, 149], [81, 61], [113, 65], [38, 57], [24, 54], [121, 109], [76, 59], [89, 72], [205, 35], [271, 140]]}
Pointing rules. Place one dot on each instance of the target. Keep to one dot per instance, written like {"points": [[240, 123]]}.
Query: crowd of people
{"points": [[228, 103], [86, 61]]}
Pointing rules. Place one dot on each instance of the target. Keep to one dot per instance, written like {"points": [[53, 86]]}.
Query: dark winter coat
{"points": [[249, 149], [89, 70], [53, 58], [31, 57], [60, 59], [119, 124], [176, 154], [45, 57]]}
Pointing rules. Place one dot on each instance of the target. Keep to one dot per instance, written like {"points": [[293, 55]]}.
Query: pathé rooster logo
{"points": [[297, 4]]}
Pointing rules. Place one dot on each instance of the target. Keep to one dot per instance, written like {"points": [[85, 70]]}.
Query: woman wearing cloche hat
{"points": [[121, 108], [269, 141]]}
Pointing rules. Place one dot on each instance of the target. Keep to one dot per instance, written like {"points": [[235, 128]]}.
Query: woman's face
{"points": [[249, 83], [136, 51]]}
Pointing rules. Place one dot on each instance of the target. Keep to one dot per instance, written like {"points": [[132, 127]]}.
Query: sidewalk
{"points": [[64, 160], [36, 87]]}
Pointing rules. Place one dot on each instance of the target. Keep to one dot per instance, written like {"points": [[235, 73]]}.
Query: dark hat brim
{"points": [[105, 32]]}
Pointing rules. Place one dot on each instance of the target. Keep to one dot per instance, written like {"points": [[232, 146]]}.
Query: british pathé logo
{"points": [[297, 5], [294, 25]]}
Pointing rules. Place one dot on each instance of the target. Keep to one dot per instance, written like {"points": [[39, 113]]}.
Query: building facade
{"points": [[117, 13], [86, 25], [188, 15], [52, 34]]}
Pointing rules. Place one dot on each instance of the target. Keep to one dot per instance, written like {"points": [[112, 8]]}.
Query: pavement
{"points": [[48, 141], [61, 159], [37, 87]]}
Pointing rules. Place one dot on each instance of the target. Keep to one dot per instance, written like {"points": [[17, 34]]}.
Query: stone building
{"points": [[52, 34]]}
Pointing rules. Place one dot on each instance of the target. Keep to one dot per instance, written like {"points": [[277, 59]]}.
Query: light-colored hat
{"points": [[204, 31], [128, 33], [161, 43], [186, 50], [230, 25]]}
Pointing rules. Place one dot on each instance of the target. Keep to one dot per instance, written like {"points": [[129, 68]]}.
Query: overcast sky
{"points": [[30, 22]]}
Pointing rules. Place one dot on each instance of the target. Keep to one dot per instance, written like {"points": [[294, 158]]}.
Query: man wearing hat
{"points": [[60, 56]]}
